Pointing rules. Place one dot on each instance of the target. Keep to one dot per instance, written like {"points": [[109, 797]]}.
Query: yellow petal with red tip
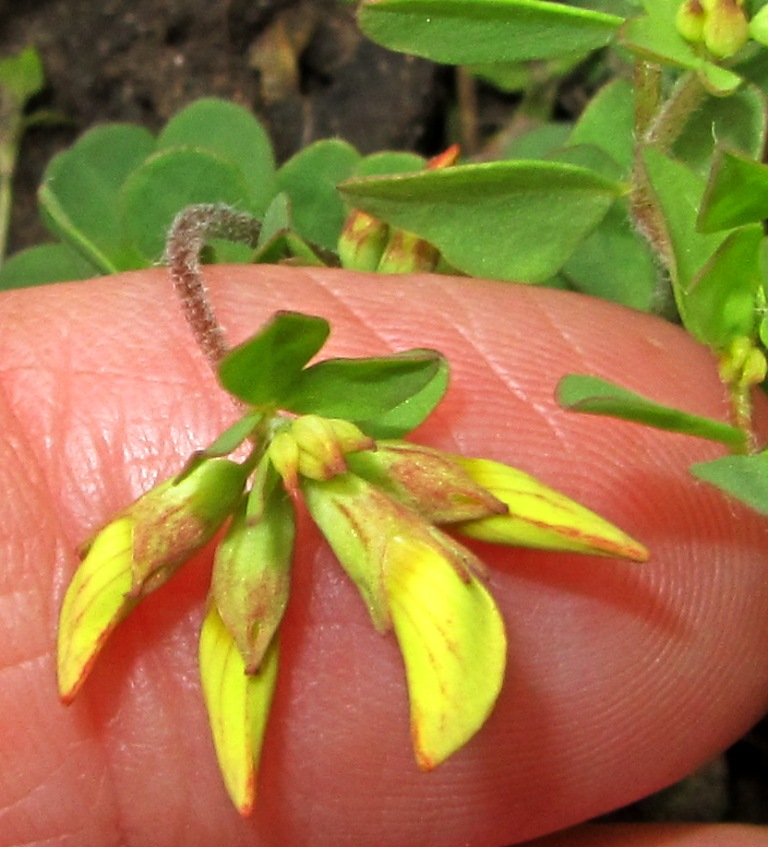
{"points": [[238, 707], [451, 635], [541, 517], [95, 602]]}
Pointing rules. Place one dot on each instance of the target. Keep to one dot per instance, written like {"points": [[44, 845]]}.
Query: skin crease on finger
{"points": [[621, 677]]}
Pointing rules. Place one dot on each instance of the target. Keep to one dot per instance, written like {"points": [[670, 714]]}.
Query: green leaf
{"points": [[654, 36], [80, 190], [22, 75], [737, 193], [678, 191], [737, 122], [743, 477], [232, 134], [461, 32], [309, 179], [720, 305], [608, 123], [388, 162], [615, 263], [503, 220], [170, 181], [539, 142], [414, 410], [364, 389], [43, 264], [594, 396], [263, 369]]}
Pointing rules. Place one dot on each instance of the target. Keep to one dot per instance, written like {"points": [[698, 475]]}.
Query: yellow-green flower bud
{"points": [[362, 241], [251, 573], [315, 447], [726, 29], [408, 253], [429, 481], [690, 21]]}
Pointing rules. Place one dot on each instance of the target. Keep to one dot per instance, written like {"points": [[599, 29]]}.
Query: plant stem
{"points": [[191, 229], [11, 128]]}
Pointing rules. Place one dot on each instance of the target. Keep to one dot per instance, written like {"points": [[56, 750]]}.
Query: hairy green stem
{"points": [[190, 231]]}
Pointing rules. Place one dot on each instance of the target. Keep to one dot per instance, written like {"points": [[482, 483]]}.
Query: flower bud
{"points": [[315, 447], [428, 481], [690, 21], [725, 29], [251, 573], [135, 554], [362, 241], [408, 253]]}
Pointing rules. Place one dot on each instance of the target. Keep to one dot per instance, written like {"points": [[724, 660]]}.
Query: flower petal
{"points": [[452, 638], [541, 517], [96, 601], [238, 707]]}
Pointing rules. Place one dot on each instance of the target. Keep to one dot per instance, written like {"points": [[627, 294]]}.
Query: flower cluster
{"points": [[390, 510], [720, 25]]}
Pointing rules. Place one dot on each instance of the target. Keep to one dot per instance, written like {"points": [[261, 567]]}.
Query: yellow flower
{"points": [[135, 554], [541, 517], [423, 583], [238, 706]]}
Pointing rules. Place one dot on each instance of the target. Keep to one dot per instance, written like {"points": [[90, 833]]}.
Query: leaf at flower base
{"points": [[263, 369], [452, 639], [737, 192], [594, 396], [96, 601], [238, 707], [460, 32], [488, 219], [364, 389], [743, 477], [541, 517], [411, 412]]}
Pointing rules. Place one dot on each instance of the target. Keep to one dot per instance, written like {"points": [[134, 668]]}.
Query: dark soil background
{"points": [[304, 69]]}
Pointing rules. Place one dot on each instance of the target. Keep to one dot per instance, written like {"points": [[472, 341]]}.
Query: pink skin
{"points": [[622, 677]]}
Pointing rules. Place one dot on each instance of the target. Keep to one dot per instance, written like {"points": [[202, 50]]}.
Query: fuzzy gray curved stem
{"points": [[190, 231]]}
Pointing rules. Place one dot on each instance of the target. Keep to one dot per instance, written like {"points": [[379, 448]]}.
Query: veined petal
{"points": [[451, 635], [238, 707], [541, 517], [96, 601]]}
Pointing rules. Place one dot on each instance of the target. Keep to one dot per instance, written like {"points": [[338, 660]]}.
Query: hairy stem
{"points": [[190, 231]]}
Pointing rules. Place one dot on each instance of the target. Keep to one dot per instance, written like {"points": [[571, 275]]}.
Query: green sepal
{"points": [[251, 571]]}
